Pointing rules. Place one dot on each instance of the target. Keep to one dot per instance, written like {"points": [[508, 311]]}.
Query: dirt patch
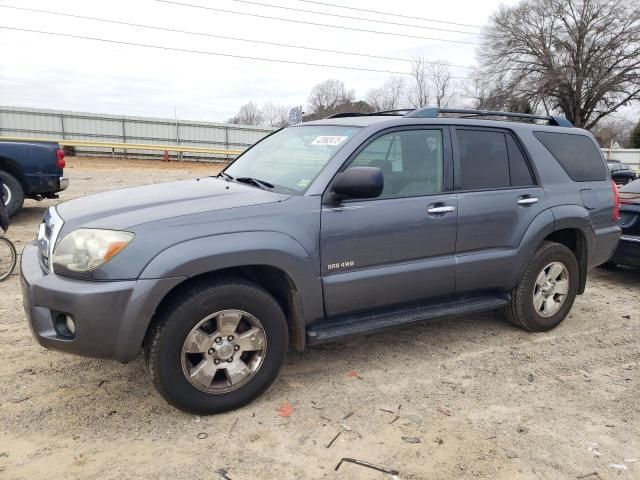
{"points": [[470, 397], [121, 163]]}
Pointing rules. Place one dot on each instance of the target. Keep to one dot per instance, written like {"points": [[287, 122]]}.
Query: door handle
{"points": [[441, 209], [527, 201]]}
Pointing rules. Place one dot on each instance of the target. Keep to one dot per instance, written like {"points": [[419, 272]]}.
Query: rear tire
{"points": [[12, 192], [194, 331], [547, 290]]}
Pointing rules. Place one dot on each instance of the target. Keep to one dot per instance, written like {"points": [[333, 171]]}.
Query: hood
{"points": [[125, 208]]}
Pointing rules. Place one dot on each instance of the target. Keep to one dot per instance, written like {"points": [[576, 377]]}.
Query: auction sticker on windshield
{"points": [[330, 140]]}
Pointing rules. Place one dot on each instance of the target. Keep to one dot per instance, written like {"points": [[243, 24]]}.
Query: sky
{"points": [[47, 71]]}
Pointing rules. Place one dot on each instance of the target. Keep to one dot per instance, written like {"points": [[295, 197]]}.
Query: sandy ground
{"points": [[464, 398]]}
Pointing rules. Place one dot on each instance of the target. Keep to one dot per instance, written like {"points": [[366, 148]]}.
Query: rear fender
{"points": [[538, 230], [577, 217]]}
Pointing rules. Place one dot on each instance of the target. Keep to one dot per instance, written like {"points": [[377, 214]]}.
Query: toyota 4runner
{"points": [[344, 226]]}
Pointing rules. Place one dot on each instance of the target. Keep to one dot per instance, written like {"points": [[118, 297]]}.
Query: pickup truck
{"points": [[30, 170]]}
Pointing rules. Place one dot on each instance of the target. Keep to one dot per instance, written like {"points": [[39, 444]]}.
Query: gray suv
{"points": [[344, 226]]}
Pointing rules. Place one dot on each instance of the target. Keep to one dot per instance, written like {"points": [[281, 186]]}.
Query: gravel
{"points": [[467, 397]]}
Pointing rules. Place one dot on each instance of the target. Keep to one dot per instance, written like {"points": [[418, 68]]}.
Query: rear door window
{"points": [[483, 160], [577, 154]]}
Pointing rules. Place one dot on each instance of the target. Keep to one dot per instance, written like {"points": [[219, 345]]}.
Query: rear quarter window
{"points": [[577, 154]]}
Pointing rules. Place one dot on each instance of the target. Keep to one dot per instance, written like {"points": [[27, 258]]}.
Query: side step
{"points": [[378, 321]]}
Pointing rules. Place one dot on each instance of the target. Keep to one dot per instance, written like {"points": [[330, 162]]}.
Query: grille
{"points": [[47, 236]]}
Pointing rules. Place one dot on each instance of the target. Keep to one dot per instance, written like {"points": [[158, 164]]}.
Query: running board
{"points": [[351, 325]]}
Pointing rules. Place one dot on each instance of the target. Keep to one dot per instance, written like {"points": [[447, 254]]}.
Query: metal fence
{"points": [[114, 129], [65, 125]]}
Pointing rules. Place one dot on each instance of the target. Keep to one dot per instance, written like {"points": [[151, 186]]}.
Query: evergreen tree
{"points": [[634, 139]]}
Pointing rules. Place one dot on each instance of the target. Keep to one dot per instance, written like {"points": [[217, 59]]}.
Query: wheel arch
{"points": [[567, 225], [11, 167], [274, 280], [284, 269], [574, 239], [573, 228]]}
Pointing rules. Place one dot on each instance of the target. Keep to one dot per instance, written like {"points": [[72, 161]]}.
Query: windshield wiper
{"points": [[225, 175], [255, 181]]}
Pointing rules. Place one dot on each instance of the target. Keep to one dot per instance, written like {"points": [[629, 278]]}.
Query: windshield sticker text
{"points": [[330, 140]]}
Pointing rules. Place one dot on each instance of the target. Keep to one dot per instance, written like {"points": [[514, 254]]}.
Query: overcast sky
{"points": [[47, 71]]}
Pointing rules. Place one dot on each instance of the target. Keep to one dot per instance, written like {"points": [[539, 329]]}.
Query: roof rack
{"points": [[397, 112], [392, 112], [346, 114], [431, 112]]}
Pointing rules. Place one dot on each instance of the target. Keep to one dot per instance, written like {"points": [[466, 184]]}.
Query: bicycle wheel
{"points": [[8, 258]]}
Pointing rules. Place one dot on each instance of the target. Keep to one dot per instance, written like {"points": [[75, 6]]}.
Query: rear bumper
{"points": [[628, 251], [111, 317], [64, 183], [604, 244]]}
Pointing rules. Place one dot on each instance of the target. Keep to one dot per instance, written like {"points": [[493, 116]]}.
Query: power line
{"points": [[270, 5], [240, 39], [202, 52], [206, 52], [380, 32], [326, 4]]}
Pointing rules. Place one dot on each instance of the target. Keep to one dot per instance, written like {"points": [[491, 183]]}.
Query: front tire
{"points": [[547, 290], [218, 346], [13, 194]]}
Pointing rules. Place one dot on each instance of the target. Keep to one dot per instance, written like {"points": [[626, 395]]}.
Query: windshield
{"points": [[289, 160]]}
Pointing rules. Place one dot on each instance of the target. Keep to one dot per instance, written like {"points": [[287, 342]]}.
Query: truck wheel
{"points": [[547, 290], [217, 347], [12, 192]]}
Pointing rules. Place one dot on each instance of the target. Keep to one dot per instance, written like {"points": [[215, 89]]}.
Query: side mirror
{"points": [[359, 182]]}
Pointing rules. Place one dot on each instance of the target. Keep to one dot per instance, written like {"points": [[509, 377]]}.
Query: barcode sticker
{"points": [[330, 140]]}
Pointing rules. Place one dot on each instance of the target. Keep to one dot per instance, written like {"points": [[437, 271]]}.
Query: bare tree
{"points": [[442, 85], [331, 97], [488, 94], [275, 115], [248, 114], [329, 94], [389, 96], [418, 90], [614, 129], [578, 56]]}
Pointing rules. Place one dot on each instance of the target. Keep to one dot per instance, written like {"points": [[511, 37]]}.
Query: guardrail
{"points": [[128, 146]]}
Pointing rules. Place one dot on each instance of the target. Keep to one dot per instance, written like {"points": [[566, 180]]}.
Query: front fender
{"points": [[209, 254]]}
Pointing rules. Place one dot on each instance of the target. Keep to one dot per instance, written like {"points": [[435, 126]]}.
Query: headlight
{"points": [[86, 249]]}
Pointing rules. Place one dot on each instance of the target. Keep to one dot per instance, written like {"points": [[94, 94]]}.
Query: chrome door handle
{"points": [[527, 201], [441, 209]]}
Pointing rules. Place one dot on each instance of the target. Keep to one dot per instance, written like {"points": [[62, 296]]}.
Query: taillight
{"points": [[60, 155], [616, 202]]}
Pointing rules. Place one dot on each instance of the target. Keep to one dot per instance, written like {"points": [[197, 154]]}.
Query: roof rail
{"points": [[397, 112], [346, 114], [392, 112], [432, 112]]}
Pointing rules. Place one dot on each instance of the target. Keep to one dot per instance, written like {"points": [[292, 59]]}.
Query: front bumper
{"points": [[111, 318], [628, 251]]}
